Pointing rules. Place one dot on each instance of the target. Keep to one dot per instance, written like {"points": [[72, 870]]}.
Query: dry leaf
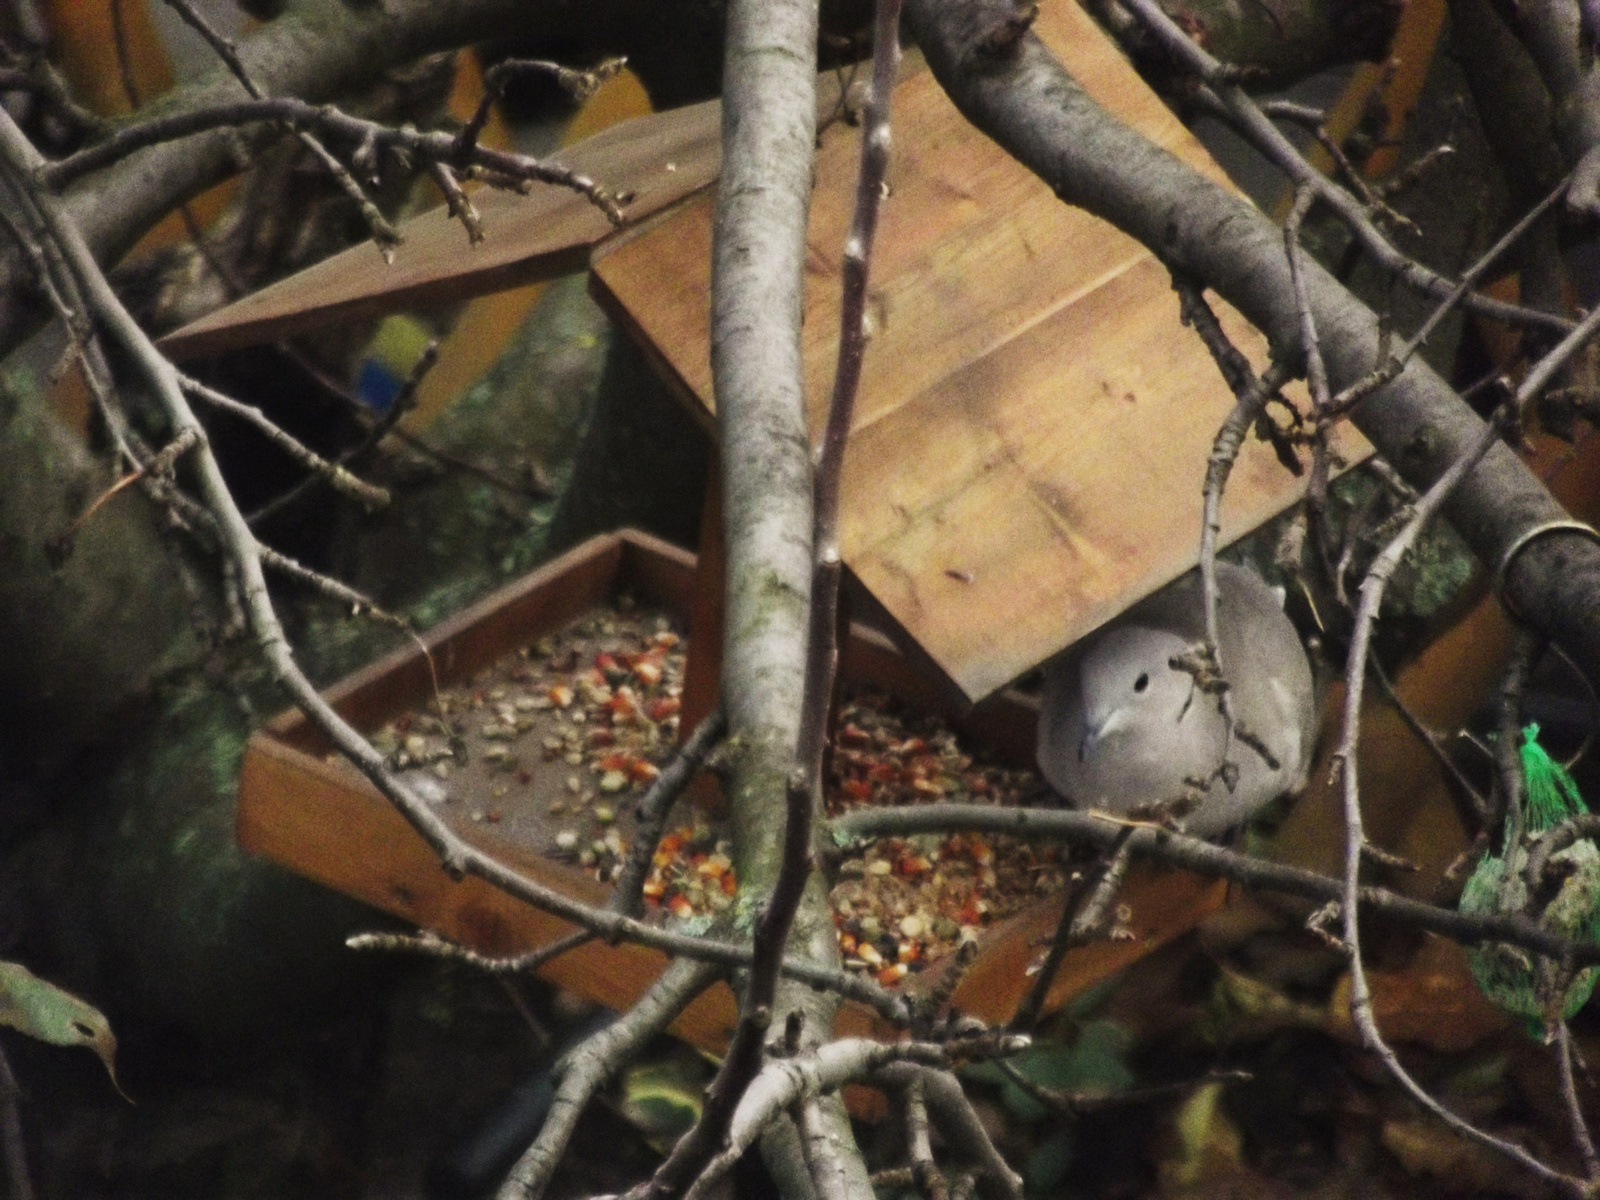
{"points": [[1433, 1000]]}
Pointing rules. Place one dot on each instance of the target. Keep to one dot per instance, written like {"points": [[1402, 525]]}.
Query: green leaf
{"points": [[43, 1011], [663, 1100]]}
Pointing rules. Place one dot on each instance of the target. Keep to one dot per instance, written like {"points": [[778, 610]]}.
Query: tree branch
{"points": [[1021, 96], [1204, 858], [586, 1069], [758, 254]]}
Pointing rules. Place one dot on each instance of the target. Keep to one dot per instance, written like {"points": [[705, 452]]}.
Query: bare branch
{"points": [[1266, 137], [330, 122], [385, 234], [431, 945], [1204, 858], [337, 477], [1075, 930], [1565, 1052], [785, 1081], [588, 1066], [919, 1147], [627, 897], [381, 428], [963, 1131], [18, 1178], [579, 85]]}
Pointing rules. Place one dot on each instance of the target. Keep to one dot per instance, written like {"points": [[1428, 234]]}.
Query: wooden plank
{"points": [[1033, 427], [545, 234], [1067, 483], [660, 159]]}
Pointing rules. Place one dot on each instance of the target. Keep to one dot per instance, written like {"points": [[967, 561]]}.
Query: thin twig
{"points": [[431, 945], [1511, 795], [1340, 404], [161, 463], [119, 42], [1075, 929], [919, 1147], [1316, 381], [385, 234], [1078, 1104], [656, 803], [294, 114], [457, 203], [1315, 121], [822, 649], [1569, 1096], [1251, 395], [18, 1178], [587, 1066], [579, 85], [925, 1008], [71, 320], [1205, 858], [380, 429], [958, 1122], [1480, 805], [372, 498], [1254, 125]]}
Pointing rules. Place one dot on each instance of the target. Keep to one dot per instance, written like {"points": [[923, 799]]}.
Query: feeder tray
{"points": [[324, 820]]}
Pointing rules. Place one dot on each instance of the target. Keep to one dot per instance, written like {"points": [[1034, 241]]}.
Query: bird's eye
{"points": [[1142, 682]]}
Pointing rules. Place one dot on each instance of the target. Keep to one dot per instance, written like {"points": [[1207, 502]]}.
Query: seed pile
{"points": [[555, 744], [907, 901]]}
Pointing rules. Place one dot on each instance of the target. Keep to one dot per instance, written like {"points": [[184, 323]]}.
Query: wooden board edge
{"points": [[202, 339], [591, 564], [682, 391]]}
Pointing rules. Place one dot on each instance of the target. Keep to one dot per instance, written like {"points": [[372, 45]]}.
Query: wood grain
{"points": [[1033, 426]]}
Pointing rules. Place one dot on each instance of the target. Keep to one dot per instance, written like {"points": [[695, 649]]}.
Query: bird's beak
{"points": [[1095, 733]]}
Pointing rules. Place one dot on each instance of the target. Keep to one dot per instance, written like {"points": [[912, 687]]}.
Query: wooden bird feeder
{"points": [[1026, 461]]}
